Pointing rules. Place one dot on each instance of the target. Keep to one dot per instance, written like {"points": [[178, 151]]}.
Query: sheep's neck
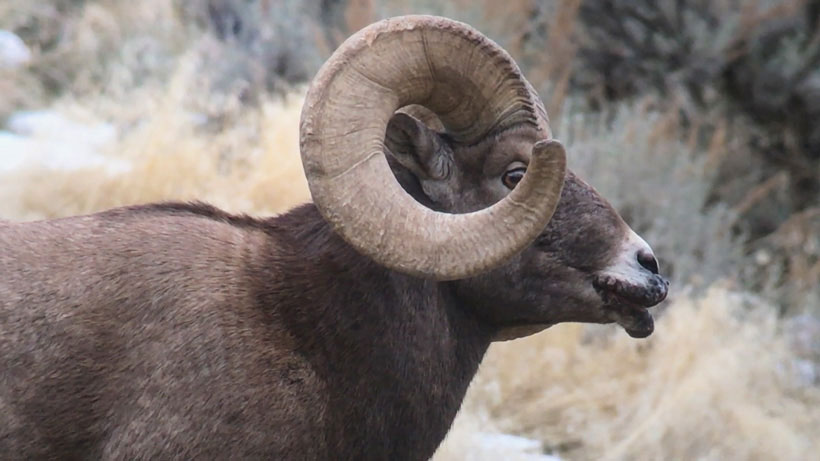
{"points": [[396, 353]]}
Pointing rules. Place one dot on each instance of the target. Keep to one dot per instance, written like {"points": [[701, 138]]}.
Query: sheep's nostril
{"points": [[647, 261]]}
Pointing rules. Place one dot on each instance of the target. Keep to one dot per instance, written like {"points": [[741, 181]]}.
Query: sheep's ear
{"points": [[418, 148]]}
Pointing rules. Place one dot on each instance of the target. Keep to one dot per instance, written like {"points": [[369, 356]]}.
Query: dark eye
{"points": [[512, 177]]}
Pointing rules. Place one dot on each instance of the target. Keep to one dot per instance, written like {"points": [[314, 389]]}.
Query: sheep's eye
{"points": [[512, 177]]}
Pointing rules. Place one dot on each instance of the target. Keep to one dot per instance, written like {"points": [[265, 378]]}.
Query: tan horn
{"points": [[476, 89]]}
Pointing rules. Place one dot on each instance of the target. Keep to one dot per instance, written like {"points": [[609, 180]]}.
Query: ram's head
{"points": [[472, 189]]}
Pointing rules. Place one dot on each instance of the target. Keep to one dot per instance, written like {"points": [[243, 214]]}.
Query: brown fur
{"points": [[239, 339], [177, 331]]}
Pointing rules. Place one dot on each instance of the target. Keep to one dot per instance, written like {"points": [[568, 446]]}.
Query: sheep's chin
{"points": [[634, 319]]}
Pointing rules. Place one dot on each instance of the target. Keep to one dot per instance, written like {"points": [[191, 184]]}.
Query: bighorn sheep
{"points": [[344, 329]]}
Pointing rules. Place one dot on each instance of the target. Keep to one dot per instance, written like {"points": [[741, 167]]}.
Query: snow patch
{"points": [[524, 448], [13, 52], [47, 139]]}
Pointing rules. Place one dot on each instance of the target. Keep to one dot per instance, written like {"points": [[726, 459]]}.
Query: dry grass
{"points": [[251, 166], [715, 381]]}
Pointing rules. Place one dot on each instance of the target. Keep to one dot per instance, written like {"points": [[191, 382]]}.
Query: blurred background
{"points": [[698, 119]]}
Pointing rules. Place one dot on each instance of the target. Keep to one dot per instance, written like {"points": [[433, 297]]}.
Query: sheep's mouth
{"points": [[628, 304]]}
